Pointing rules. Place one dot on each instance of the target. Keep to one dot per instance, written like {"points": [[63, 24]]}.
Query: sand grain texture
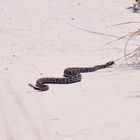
{"points": [[37, 40]]}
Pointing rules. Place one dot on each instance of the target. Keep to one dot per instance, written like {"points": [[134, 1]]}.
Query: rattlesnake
{"points": [[71, 75]]}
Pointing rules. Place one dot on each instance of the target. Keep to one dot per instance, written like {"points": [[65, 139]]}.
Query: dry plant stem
{"points": [[103, 34], [130, 37], [122, 24], [114, 36], [123, 37]]}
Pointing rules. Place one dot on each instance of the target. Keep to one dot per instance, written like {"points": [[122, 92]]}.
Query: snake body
{"points": [[71, 75]]}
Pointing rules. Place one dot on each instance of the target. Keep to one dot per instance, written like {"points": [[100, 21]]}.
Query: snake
{"points": [[71, 75]]}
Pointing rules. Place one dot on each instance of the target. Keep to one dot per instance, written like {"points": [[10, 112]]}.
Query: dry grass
{"points": [[131, 58]]}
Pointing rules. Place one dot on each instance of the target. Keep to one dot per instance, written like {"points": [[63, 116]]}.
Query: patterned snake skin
{"points": [[71, 75]]}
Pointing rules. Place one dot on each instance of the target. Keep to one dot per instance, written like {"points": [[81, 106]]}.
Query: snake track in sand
{"points": [[71, 75]]}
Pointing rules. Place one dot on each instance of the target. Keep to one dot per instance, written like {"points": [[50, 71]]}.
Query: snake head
{"points": [[109, 63]]}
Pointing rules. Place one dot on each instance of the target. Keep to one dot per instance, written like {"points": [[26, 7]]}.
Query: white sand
{"points": [[38, 40]]}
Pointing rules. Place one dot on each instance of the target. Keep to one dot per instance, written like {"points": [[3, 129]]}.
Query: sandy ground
{"points": [[41, 38]]}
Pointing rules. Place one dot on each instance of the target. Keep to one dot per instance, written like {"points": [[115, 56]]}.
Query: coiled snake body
{"points": [[71, 75]]}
